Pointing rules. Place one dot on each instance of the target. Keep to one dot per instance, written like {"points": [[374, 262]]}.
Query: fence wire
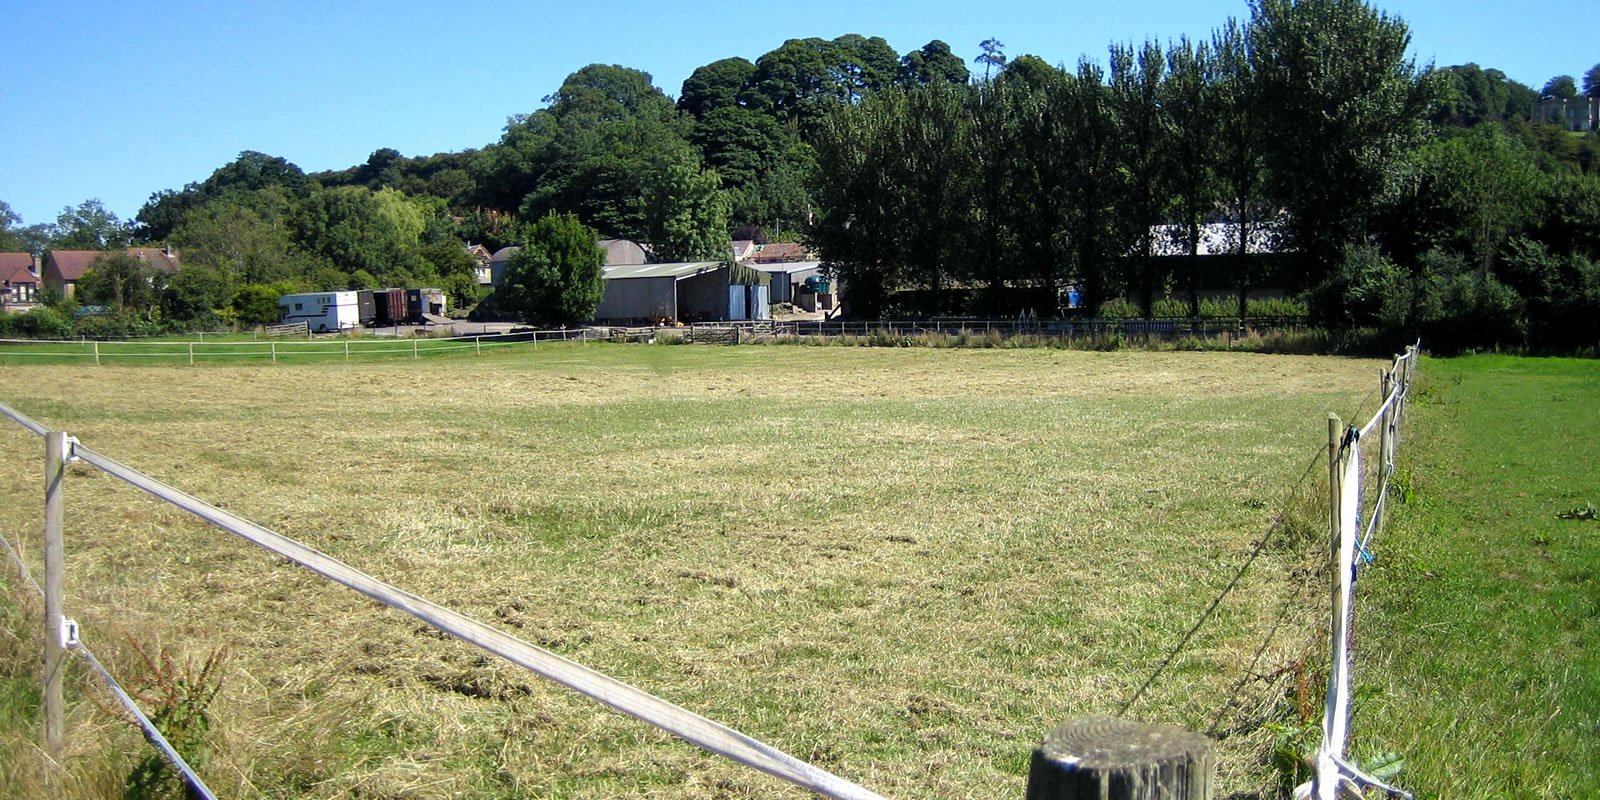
{"points": [[1332, 774]]}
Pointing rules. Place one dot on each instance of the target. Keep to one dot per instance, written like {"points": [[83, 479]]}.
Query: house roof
{"points": [[780, 251], [163, 259], [17, 268], [73, 263], [742, 248], [680, 270]]}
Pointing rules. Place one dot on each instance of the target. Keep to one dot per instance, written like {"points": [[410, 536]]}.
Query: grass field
{"points": [[1480, 638], [903, 565]]}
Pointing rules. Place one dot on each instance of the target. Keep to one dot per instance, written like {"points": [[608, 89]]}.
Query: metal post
{"points": [[55, 450], [1386, 382]]}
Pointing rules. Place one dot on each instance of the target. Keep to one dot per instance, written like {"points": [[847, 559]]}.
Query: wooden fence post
{"points": [[273, 345], [414, 348], [1105, 758], [191, 353], [347, 350], [97, 352], [55, 450]]}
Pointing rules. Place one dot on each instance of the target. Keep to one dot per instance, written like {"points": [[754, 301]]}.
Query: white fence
{"points": [[1349, 486], [275, 350], [61, 633]]}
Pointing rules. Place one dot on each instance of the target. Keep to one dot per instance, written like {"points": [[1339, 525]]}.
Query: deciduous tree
{"points": [[1341, 104], [558, 276]]}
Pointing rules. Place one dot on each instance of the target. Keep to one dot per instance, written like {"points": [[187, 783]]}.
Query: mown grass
{"points": [[903, 565], [1480, 633]]}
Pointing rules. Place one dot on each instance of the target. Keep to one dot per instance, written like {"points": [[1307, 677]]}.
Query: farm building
{"points": [[786, 277], [619, 252], [691, 291]]}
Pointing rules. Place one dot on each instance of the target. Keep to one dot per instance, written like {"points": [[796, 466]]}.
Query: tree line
{"points": [[1405, 199], [931, 187]]}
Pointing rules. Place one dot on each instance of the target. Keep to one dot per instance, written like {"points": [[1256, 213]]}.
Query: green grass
{"points": [[1479, 628], [903, 565]]}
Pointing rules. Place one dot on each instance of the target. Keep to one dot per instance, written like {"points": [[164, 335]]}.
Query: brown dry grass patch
{"points": [[905, 565]]}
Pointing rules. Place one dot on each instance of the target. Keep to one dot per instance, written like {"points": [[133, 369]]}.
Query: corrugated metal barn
{"points": [[692, 291]]}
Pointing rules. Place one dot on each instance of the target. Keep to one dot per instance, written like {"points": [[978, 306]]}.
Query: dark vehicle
{"points": [[389, 306]]}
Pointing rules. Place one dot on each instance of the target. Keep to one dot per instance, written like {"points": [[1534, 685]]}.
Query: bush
{"points": [[115, 325], [36, 323]]}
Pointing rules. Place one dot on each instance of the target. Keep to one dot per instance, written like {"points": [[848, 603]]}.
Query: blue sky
{"points": [[116, 100]]}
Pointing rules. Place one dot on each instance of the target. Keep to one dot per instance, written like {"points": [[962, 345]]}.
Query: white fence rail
{"points": [[1349, 541], [629, 700]]}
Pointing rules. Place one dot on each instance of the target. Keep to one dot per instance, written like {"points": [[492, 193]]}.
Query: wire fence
{"points": [[1349, 488]]}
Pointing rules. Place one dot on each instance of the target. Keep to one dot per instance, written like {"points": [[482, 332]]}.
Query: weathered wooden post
{"points": [[414, 348], [55, 453], [1105, 758], [191, 353], [273, 346], [97, 352]]}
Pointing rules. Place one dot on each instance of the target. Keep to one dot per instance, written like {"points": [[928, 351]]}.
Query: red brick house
{"points": [[19, 282], [63, 268]]}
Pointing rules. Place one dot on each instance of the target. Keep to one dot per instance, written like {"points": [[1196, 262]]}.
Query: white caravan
{"points": [[322, 311]]}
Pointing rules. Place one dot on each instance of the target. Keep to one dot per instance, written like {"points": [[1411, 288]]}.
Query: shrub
{"points": [[43, 322]]}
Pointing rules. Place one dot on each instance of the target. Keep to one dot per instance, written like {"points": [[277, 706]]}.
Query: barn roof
{"points": [[679, 270]]}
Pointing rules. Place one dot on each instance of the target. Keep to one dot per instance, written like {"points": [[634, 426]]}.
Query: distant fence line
{"points": [[274, 349], [279, 344]]}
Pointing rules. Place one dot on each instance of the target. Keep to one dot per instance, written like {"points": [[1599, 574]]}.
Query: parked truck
{"points": [[322, 311]]}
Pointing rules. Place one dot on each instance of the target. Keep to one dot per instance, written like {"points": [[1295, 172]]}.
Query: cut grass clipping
{"points": [[903, 565]]}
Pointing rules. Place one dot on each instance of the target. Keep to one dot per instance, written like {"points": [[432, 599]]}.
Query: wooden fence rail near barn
{"points": [[1096, 757]]}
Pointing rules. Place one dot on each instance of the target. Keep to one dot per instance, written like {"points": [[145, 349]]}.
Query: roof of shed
{"points": [[790, 267], [679, 270]]}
